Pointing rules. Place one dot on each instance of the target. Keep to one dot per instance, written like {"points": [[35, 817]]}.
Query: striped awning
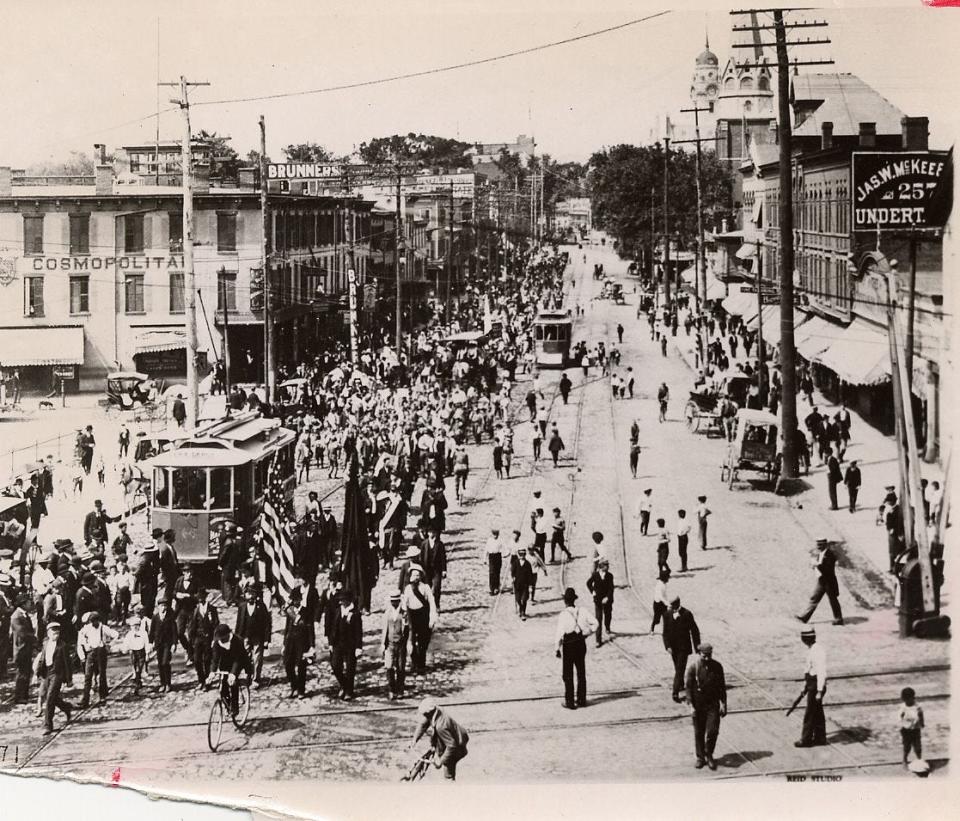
{"points": [[30, 347], [815, 336], [860, 355], [155, 341]]}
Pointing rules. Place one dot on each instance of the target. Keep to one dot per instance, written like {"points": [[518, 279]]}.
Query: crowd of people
{"points": [[396, 418]]}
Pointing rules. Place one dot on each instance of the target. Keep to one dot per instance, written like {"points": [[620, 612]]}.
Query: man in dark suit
{"points": [[681, 638], [346, 643], [95, 524], [169, 564], [834, 478], [163, 637], [852, 480], [707, 693], [309, 606], [328, 537], [433, 558], [146, 576], [600, 584], [54, 667], [200, 635], [24, 640], [253, 628], [825, 566], [186, 597]]}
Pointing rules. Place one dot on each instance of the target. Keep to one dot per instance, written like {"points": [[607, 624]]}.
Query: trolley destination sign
{"points": [[896, 188]]}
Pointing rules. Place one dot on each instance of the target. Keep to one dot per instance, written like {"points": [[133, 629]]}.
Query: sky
{"points": [[77, 73]]}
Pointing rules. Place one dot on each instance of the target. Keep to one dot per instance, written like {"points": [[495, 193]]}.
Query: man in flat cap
{"points": [[814, 731], [707, 694]]}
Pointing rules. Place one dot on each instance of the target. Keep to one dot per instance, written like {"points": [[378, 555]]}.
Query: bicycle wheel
{"points": [[215, 725], [243, 706]]}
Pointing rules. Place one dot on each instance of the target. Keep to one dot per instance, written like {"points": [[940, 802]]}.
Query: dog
{"points": [[46, 404]]}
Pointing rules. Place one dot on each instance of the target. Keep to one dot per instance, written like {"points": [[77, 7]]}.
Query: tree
{"points": [[428, 150], [307, 152], [79, 164], [224, 161], [622, 177]]}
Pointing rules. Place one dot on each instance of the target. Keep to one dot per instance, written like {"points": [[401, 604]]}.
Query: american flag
{"points": [[277, 562]]}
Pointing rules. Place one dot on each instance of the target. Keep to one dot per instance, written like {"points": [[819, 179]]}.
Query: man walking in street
{"points": [[494, 553], [200, 635], [702, 513], [852, 480], [814, 733], [394, 645], [346, 645], [523, 579], [645, 506], [574, 624], [417, 602], [681, 639], [92, 651], [683, 538], [434, 557], [558, 536], [707, 694], [600, 584], [565, 386], [825, 566], [834, 478], [253, 628], [54, 667]]}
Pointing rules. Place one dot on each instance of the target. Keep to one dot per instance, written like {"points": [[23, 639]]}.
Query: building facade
{"points": [[92, 277]]}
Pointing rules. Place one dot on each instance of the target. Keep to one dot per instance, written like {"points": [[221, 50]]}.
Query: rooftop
{"points": [[843, 99]]}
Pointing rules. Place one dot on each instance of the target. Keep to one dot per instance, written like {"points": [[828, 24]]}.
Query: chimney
{"points": [[826, 135], [104, 179], [868, 135], [99, 154], [915, 132], [201, 178], [6, 181]]}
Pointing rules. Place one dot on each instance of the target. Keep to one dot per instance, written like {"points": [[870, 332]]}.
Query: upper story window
{"points": [[33, 234], [176, 231], [133, 234], [226, 231], [79, 234]]}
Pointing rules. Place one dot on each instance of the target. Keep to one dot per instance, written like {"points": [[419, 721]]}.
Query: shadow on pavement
{"points": [[735, 760], [850, 735]]}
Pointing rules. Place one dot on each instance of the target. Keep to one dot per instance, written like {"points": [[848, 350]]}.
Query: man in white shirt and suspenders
{"points": [[574, 624]]}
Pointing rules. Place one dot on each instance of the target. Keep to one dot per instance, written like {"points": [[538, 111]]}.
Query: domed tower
{"points": [[705, 85]]}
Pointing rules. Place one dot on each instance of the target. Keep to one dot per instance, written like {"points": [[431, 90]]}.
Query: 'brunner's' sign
{"points": [[894, 189]]}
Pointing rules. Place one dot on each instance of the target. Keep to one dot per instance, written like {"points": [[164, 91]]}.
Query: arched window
{"points": [[728, 84], [746, 84], [763, 83], [747, 106]]}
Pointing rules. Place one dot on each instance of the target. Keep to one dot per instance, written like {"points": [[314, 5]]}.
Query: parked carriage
{"points": [[754, 447]]}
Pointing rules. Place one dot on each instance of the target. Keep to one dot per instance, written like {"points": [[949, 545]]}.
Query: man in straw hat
{"points": [[814, 731], [574, 624]]}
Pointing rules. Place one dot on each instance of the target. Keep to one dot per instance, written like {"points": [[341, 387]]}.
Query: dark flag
{"points": [[356, 559]]}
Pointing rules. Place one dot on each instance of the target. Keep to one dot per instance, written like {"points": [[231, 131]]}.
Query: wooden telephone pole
{"points": [[189, 279], [666, 217], [788, 356]]}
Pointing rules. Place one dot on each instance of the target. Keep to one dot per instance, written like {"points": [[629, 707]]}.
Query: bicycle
{"points": [[222, 705], [419, 767]]}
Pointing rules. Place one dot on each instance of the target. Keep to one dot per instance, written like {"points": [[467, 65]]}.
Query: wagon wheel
{"points": [[691, 417]]}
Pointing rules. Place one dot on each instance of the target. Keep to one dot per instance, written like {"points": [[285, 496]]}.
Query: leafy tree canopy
{"points": [[307, 152], [622, 178], [429, 150]]}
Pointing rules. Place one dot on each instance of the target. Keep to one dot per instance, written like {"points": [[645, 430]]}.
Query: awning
{"points": [[815, 336], [154, 341], [860, 355], [27, 347], [757, 209], [689, 274], [747, 251], [743, 305], [771, 324], [715, 288]]}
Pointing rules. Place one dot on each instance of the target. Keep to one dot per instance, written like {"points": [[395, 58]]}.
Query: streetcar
{"points": [[552, 330], [217, 477]]}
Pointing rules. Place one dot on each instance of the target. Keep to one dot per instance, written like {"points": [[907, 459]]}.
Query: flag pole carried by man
{"points": [[276, 562]]}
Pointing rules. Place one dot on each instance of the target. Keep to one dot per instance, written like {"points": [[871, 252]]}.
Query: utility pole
{"points": [[449, 255], [397, 248], [666, 217], [653, 232], [761, 359], [788, 354], [189, 280], [269, 365], [222, 285]]}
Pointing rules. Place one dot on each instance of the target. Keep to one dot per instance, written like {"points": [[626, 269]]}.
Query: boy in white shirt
{"points": [[137, 642]]}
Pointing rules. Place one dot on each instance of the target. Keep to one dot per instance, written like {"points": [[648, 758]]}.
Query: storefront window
{"points": [[189, 488]]}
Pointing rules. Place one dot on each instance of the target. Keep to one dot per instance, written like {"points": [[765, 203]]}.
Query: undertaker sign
{"points": [[895, 190]]}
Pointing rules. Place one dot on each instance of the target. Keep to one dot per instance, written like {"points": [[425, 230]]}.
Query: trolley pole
{"points": [[269, 371]]}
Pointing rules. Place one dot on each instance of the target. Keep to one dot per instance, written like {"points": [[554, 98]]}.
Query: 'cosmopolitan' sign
{"points": [[895, 189], [98, 263]]}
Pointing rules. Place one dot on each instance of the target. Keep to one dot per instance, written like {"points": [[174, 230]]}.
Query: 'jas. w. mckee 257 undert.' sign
{"points": [[896, 189]]}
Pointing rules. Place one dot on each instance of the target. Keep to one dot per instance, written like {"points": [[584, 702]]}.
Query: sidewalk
{"points": [[876, 454]]}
